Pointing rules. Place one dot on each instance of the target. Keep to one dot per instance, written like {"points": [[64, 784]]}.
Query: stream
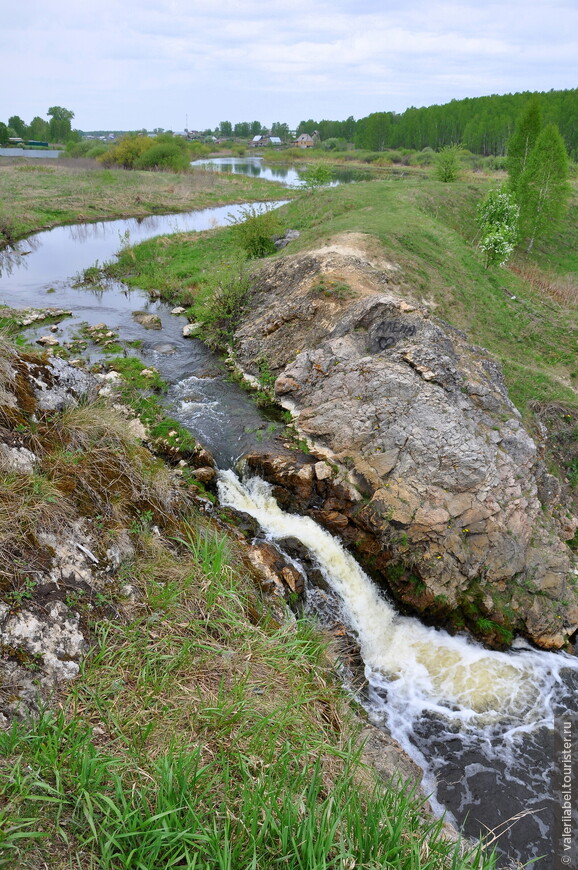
{"points": [[479, 723], [290, 176]]}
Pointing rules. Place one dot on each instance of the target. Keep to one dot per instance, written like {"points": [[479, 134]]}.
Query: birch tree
{"points": [[543, 187]]}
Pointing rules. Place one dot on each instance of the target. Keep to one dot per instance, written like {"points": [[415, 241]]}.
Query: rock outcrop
{"points": [[431, 475]]}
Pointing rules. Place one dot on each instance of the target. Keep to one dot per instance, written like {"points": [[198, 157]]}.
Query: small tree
{"points": [[522, 141], [543, 187], [4, 135], [38, 128], [498, 216], [255, 230], [448, 163], [316, 176], [59, 127], [17, 125]]}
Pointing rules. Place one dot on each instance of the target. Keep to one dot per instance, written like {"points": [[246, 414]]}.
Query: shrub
{"points": [[127, 151], [97, 151], [448, 163], [254, 231], [497, 218], [316, 176], [164, 155], [221, 310]]}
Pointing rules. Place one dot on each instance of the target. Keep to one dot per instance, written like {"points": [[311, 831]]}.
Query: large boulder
{"points": [[435, 478]]}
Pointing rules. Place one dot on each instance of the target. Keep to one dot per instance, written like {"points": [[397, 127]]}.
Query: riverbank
{"points": [[200, 701], [216, 294], [525, 315], [36, 196]]}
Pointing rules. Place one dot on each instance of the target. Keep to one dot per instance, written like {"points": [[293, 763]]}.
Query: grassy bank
{"points": [[207, 728], [526, 315], [44, 194]]}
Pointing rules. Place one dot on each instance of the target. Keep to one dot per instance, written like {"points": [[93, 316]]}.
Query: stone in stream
{"points": [[147, 320], [437, 486], [165, 348], [191, 329]]}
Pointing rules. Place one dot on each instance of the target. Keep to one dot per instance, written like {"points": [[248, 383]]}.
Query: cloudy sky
{"points": [[123, 64]]}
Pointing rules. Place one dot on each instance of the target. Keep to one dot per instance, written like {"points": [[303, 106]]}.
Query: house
{"points": [[260, 141], [306, 141]]}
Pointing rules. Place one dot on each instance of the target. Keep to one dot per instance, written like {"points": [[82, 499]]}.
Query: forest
{"points": [[483, 125]]}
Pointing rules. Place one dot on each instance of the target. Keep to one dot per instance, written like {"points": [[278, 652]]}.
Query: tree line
{"points": [[483, 125], [57, 128]]}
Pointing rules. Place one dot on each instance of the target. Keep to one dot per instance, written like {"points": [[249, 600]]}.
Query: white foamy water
{"points": [[432, 689]]}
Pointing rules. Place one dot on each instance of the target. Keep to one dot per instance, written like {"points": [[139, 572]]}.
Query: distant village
{"points": [[303, 140]]}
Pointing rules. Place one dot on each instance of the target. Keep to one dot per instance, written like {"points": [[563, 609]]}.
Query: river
{"points": [[291, 176], [30, 152], [481, 724]]}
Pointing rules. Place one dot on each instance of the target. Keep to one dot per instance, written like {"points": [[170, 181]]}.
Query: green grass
{"points": [[429, 229], [27, 198], [143, 394], [204, 734]]}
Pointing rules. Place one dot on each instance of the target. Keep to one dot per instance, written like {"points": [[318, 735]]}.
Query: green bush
{"points": [[254, 231], [221, 309], [448, 163], [164, 155], [127, 151], [498, 217], [96, 151], [316, 176]]}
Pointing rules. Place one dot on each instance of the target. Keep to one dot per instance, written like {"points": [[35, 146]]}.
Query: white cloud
{"points": [[127, 65]]}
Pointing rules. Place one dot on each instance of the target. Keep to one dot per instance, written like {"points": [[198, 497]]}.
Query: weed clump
{"points": [[254, 230]]}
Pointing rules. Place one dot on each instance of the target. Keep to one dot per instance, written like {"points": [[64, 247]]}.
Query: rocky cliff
{"points": [[430, 473]]}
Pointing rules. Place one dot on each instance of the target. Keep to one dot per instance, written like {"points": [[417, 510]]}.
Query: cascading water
{"points": [[478, 722]]}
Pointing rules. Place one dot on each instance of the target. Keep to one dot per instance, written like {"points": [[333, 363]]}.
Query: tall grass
{"points": [[233, 811], [204, 734]]}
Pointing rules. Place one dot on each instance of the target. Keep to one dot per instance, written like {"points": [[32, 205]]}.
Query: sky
{"points": [[127, 65]]}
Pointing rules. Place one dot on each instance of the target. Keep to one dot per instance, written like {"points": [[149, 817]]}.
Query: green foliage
{"points": [[164, 155], [4, 135], [333, 289], [543, 188], [498, 217], [127, 152], [447, 165], [18, 125], [59, 126], [522, 142], [315, 176], [254, 230], [221, 308]]}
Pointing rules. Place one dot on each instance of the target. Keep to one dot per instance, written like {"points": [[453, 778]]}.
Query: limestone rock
{"points": [[191, 329], [148, 320], [419, 421], [17, 459], [205, 474], [57, 385]]}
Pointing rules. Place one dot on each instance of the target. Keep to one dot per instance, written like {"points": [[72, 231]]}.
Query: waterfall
{"points": [[429, 688]]}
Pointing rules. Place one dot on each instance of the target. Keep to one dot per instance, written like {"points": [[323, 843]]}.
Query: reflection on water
{"points": [[291, 176], [29, 152], [15, 256], [63, 252]]}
